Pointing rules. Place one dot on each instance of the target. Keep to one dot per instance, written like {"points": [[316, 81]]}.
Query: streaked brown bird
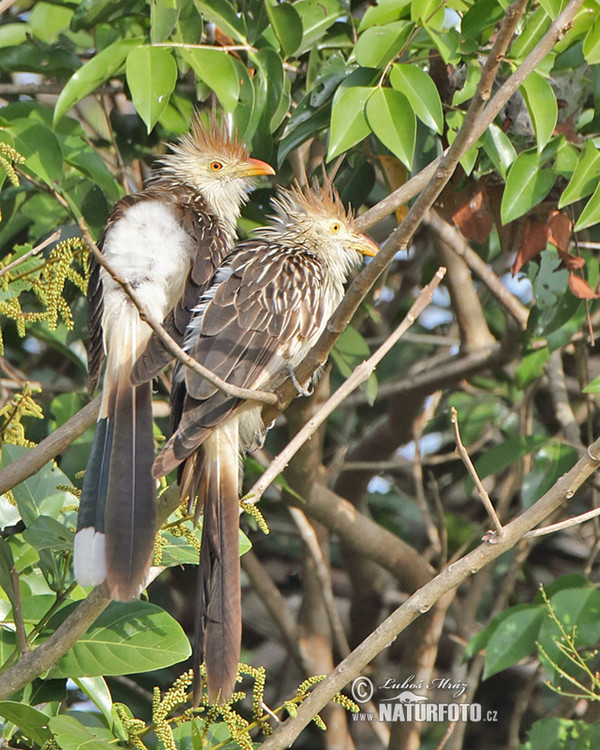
{"points": [[169, 237], [270, 302]]}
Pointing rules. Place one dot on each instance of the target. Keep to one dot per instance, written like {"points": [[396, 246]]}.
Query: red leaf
{"points": [[581, 288], [568, 129], [560, 230], [473, 216], [535, 238], [572, 262]]}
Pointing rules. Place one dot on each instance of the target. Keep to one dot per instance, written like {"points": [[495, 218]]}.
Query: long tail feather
{"points": [[218, 613], [130, 500]]}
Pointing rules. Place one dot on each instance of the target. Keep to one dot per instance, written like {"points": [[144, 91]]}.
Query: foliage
{"points": [[376, 92]]}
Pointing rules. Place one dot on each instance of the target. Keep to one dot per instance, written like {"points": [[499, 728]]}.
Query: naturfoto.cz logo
{"points": [[407, 705]]}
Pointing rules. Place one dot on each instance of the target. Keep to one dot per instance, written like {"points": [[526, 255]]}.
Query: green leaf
{"points": [[391, 118], [47, 533], [532, 31], [585, 177], [71, 734], [551, 462], [593, 386], [218, 71], [31, 722], [497, 145], [223, 15], [378, 45], [505, 454], [421, 92], [97, 691], [348, 120], [526, 186], [126, 638], [7, 564], [317, 16], [470, 86], [13, 34], [541, 104], [151, 77], [93, 74], [531, 367], [286, 24], [591, 43], [41, 149], [164, 15], [513, 638], [591, 212], [37, 495], [385, 12]]}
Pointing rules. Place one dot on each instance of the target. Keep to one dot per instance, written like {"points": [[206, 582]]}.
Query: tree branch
{"points": [[423, 599]]}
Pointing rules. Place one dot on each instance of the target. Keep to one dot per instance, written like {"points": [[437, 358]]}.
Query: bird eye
{"points": [[216, 166], [335, 226]]}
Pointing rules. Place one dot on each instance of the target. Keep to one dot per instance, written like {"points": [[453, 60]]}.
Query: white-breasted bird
{"points": [[166, 241]]}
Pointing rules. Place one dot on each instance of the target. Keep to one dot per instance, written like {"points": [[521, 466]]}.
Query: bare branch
{"points": [[170, 344], [566, 524], [466, 459], [423, 599], [457, 243], [54, 237]]}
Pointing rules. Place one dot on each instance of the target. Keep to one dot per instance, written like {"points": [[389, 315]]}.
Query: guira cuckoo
{"points": [[166, 239], [268, 306]]}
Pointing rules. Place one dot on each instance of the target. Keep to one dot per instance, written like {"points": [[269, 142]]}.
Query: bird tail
{"points": [[218, 607], [117, 513]]}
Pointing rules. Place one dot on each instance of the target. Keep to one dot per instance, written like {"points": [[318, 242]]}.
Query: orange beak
{"points": [[366, 246], [256, 167]]}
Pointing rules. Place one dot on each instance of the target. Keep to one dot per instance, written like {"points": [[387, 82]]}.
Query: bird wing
{"points": [[213, 244], [255, 325]]}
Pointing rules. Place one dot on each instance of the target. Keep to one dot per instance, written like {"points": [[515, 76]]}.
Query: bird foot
{"points": [[301, 391]]}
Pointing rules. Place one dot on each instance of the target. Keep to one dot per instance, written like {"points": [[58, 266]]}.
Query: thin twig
{"points": [[426, 597], [566, 524], [171, 345], [309, 538], [18, 613], [360, 375], [54, 237], [462, 452]]}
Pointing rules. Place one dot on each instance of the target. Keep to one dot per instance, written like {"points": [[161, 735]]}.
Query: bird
{"points": [[168, 238], [270, 302]]}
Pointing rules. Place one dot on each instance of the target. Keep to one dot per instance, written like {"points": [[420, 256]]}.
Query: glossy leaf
{"points": [[498, 147], [126, 638], [317, 16], [41, 149], [513, 638], [585, 177], [378, 45], [591, 43], [218, 71], [535, 28], [287, 25], [542, 107], [348, 120], [33, 723], [93, 74], [504, 454], [384, 12], [164, 15], [222, 14], [70, 734], [151, 77], [391, 118], [421, 92], [526, 186], [591, 212]]}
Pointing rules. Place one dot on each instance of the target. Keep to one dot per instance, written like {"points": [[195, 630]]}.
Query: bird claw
{"points": [[301, 391]]}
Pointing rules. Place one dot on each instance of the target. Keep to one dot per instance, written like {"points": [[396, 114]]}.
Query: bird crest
{"points": [[322, 201]]}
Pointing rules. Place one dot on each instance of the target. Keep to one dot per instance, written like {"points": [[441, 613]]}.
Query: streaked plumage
{"points": [[269, 306], [181, 226]]}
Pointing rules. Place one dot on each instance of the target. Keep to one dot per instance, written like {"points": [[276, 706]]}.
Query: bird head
{"points": [[315, 218], [217, 166]]}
